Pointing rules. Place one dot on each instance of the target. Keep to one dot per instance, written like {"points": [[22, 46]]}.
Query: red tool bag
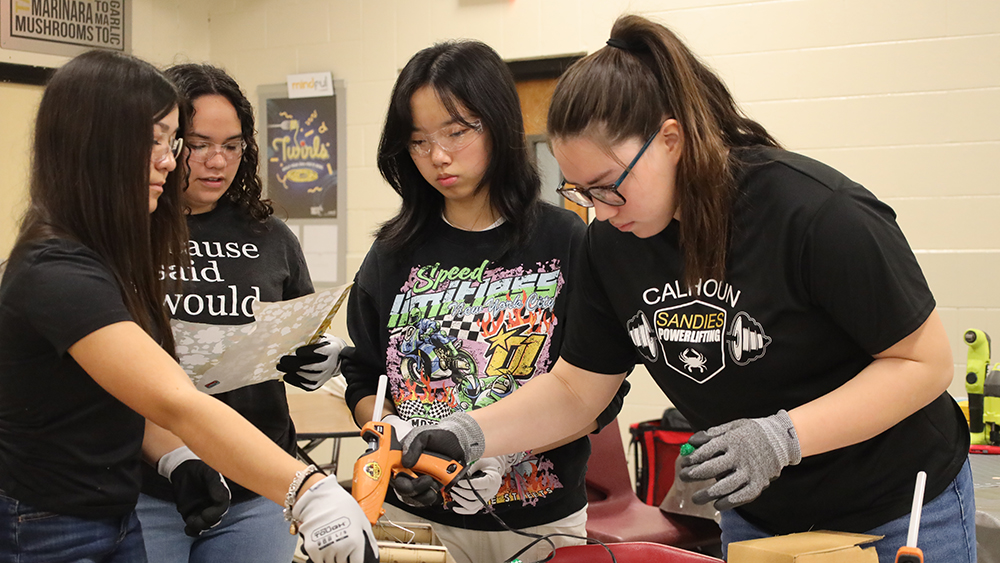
{"points": [[655, 445]]}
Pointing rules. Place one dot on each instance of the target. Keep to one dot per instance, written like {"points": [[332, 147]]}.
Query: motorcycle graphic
{"points": [[432, 355], [474, 392]]}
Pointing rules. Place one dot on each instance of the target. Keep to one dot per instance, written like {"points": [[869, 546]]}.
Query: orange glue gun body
{"points": [[909, 555], [383, 460]]}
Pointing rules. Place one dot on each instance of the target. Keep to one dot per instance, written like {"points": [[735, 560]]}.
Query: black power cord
{"points": [[536, 537]]}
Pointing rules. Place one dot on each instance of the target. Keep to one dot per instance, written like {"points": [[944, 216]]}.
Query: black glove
{"points": [[201, 493], [420, 492], [456, 436], [313, 365]]}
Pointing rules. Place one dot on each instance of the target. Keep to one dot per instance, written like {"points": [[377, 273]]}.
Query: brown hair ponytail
{"points": [[646, 75]]}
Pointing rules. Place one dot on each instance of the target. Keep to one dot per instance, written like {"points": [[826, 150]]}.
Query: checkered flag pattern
{"points": [[465, 328], [420, 413]]}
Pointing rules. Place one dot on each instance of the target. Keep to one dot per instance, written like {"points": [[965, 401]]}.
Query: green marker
{"points": [[686, 448]]}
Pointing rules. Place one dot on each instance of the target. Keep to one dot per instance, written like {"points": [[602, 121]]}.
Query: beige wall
{"points": [[19, 104], [902, 95], [163, 32]]}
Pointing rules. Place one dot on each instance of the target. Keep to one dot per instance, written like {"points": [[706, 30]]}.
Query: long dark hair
{"points": [[90, 176], [197, 80], [627, 90], [469, 74]]}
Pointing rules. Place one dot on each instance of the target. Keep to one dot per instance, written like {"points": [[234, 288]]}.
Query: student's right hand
{"points": [[456, 436], [334, 529]]}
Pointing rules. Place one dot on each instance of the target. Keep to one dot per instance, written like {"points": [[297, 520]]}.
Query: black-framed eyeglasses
{"points": [[609, 193]]}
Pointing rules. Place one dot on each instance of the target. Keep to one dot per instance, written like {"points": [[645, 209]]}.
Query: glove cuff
{"points": [[294, 513], [470, 435], [781, 435], [170, 460]]}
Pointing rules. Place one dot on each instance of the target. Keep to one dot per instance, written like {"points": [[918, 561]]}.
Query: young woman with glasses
{"points": [[775, 302], [461, 300], [239, 252], [89, 388]]}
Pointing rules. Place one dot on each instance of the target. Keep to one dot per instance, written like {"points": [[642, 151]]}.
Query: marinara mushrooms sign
{"points": [[65, 27]]}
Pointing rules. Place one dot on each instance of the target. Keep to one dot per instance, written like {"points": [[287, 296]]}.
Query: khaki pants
{"points": [[476, 546]]}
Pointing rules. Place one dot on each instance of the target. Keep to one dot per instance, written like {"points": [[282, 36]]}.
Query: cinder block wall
{"points": [[902, 95]]}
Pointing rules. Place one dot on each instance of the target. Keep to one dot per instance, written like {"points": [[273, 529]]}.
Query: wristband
{"points": [[293, 492]]}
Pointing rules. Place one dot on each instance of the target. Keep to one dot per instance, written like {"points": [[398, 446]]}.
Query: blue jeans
{"points": [[254, 531], [28, 535], [947, 526]]}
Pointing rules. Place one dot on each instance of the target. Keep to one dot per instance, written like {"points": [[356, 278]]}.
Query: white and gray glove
{"points": [[334, 529], [483, 478], [744, 456], [313, 365], [200, 492]]}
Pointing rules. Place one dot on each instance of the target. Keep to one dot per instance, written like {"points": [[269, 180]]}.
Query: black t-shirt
{"points": [[818, 278], [236, 261], [457, 327], [66, 445]]}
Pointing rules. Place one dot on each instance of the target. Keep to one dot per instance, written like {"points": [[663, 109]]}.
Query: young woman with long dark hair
{"points": [[775, 302], [89, 387], [461, 299], [221, 195]]}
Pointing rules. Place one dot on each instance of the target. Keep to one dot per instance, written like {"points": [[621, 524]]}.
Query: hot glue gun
{"points": [[383, 460]]}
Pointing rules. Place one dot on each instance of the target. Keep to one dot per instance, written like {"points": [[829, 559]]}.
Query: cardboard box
{"points": [[807, 547], [407, 542], [403, 543]]}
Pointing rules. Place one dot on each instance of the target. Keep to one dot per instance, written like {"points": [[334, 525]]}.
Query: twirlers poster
{"points": [[302, 156]]}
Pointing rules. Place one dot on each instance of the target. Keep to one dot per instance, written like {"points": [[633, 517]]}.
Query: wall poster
{"points": [[304, 168], [302, 147]]}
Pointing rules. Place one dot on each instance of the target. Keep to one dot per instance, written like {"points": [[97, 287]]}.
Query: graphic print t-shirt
{"points": [[455, 330]]}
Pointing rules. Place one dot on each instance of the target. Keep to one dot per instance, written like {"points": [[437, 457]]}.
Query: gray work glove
{"points": [[744, 456], [456, 436]]}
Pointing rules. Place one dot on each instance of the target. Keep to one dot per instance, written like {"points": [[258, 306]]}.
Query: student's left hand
{"points": [[200, 492], [744, 456], [482, 481], [313, 365]]}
